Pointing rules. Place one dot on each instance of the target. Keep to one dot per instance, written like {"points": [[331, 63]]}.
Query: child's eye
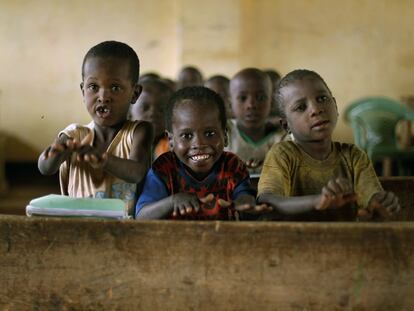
{"points": [[261, 97], [210, 133], [323, 99], [92, 87], [300, 107], [186, 136], [242, 98], [116, 88]]}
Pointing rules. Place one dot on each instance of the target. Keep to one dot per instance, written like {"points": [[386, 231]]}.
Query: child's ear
{"points": [[137, 92], [336, 106], [226, 137], [284, 125], [170, 140], [81, 87]]}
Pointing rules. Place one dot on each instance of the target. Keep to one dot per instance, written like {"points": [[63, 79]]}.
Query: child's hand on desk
{"points": [[337, 193], [87, 153], [188, 203], [382, 204]]}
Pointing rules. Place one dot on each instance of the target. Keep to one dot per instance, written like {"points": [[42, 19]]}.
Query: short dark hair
{"points": [[200, 94], [292, 76], [219, 78], [115, 49]]}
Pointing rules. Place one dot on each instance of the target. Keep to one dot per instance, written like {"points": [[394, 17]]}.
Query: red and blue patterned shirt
{"points": [[227, 180]]}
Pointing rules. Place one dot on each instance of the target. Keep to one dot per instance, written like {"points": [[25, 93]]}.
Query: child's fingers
{"points": [[223, 203], [263, 208], [344, 184], [379, 197], [394, 207], [72, 144], [87, 140], [242, 207], [208, 198]]}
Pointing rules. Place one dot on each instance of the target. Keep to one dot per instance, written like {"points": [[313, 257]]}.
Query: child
{"points": [[251, 135], [220, 84], [311, 175], [275, 77], [189, 76], [196, 180], [109, 156], [150, 107]]}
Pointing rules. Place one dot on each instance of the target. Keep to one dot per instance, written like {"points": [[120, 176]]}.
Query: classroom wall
{"points": [[360, 47]]}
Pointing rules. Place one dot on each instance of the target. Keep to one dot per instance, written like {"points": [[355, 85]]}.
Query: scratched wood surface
{"points": [[69, 264]]}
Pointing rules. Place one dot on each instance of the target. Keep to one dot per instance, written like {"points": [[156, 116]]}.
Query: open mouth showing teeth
{"points": [[200, 157], [103, 111]]}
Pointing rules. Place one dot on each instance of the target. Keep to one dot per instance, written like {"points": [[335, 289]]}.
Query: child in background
{"points": [[196, 180], [109, 156], [311, 176], [221, 84], [251, 134], [189, 76], [150, 107], [275, 77]]}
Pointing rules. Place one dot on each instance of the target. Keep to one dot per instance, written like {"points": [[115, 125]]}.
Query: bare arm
{"points": [[157, 210], [134, 169], [336, 194], [182, 203], [53, 156], [289, 205]]}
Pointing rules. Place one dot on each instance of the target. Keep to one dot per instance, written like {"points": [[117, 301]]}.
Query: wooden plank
{"points": [[67, 264]]}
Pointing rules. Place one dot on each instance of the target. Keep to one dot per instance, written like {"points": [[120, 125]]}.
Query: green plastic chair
{"points": [[373, 121]]}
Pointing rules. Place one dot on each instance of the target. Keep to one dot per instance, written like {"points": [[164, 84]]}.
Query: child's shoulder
{"points": [[286, 146], [347, 148], [165, 161], [76, 130], [231, 160]]}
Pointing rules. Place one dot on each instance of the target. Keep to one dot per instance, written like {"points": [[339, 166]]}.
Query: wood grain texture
{"points": [[69, 264]]}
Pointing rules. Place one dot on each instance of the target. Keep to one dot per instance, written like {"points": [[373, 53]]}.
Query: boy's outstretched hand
{"points": [[383, 204], [189, 203], [337, 193], [87, 153], [60, 147]]}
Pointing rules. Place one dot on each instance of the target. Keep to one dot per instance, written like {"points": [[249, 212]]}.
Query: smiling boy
{"points": [[197, 179]]}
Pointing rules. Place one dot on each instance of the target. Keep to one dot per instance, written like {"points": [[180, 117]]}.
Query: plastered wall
{"points": [[360, 47]]}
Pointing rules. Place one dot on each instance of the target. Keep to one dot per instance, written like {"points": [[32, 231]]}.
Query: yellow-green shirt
{"points": [[289, 171]]}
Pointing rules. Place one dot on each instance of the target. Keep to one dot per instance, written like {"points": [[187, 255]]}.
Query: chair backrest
{"points": [[374, 119]]}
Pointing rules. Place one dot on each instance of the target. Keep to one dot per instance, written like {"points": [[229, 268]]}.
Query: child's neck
{"points": [[105, 135], [319, 150], [255, 134]]}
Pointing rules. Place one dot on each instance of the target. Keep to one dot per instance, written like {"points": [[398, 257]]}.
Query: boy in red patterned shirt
{"points": [[197, 179]]}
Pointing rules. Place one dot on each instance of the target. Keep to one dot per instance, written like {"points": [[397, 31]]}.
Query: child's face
{"points": [[150, 107], [197, 136], [223, 90], [250, 101], [310, 110], [107, 90], [189, 77]]}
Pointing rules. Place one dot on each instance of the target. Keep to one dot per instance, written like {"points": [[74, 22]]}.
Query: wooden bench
{"points": [[69, 264]]}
